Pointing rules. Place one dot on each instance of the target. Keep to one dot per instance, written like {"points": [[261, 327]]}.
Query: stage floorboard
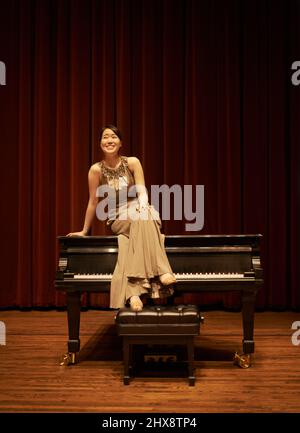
{"points": [[31, 379]]}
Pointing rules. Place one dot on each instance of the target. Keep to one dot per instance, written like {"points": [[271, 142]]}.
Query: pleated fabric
{"points": [[141, 258]]}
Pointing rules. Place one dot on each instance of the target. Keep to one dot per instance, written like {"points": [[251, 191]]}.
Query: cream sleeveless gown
{"points": [[141, 252]]}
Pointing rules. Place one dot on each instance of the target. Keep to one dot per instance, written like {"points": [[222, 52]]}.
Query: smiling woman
{"points": [[142, 267]]}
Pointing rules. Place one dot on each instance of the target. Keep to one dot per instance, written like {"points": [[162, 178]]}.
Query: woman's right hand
{"points": [[82, 233]]}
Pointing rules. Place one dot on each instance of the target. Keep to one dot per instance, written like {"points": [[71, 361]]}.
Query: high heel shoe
{"points": [[136, 304], [167, 279]]}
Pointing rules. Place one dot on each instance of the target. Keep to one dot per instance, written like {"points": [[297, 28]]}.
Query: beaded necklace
{"points": [[113, 174]]}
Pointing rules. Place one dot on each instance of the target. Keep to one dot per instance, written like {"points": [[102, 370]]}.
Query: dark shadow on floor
{"points": [[106, 345]]}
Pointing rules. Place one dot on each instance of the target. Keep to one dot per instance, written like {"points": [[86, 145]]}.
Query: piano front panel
{"points": [[101, 263], [191, 255], [183, 263], [212, 263]]}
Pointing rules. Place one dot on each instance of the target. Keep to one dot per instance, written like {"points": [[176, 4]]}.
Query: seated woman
{"points": [[142, 266]]}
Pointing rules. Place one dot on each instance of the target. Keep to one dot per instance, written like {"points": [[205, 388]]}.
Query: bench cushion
{"points": [[159, 320]]}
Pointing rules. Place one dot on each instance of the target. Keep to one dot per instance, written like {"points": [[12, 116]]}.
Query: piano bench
{"points": [[166, 325]]}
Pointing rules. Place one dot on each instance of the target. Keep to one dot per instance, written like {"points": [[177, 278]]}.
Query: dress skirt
{"points": [[141, 256]]}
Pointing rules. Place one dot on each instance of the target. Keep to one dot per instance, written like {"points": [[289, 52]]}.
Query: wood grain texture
{"points": [[31, 379]]}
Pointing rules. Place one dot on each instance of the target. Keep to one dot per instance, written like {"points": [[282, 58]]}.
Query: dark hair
{"points": [[113, 128]]}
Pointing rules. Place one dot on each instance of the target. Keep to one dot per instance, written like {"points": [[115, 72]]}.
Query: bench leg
{"points": [[190, 347], [127, 358], [126, 351]]}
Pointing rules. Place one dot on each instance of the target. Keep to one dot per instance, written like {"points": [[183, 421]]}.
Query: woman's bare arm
{"points": [[136, 168], [94, 177]]}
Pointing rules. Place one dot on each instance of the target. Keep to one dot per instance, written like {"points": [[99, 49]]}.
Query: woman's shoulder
{"points": [[132, 161], [95, 169]]}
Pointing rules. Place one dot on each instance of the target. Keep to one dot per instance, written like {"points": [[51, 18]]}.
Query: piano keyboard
{"points": [[179, 277]]}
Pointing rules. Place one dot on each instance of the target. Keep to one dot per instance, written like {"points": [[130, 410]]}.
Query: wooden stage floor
{"points": [[31, 379]]}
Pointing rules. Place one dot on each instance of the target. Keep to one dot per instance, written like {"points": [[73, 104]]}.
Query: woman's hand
{"points": [[82, 233], [143, 203], [142, 207]]}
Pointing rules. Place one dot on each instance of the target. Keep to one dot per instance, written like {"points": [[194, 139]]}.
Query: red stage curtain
{"points": [[203, 94]]}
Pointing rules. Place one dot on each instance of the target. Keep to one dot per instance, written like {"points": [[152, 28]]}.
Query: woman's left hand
{"points": [[142, 207], [143, 204]]}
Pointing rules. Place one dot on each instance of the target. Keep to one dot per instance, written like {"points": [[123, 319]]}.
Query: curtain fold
{"points": [[202, 92]]}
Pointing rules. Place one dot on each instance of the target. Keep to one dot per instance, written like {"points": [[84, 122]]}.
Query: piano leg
{"points": [[190, 348], [248, 304], [127, 348], [73, 308]]}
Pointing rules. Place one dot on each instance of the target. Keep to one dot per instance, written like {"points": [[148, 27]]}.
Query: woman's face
{"points": [[110, 142]]}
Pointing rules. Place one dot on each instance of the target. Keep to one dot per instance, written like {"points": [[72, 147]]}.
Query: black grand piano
{"points": [[201, 263]]}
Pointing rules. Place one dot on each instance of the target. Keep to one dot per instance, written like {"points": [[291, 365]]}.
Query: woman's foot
{"points": [[167, 279], [136, 304]]}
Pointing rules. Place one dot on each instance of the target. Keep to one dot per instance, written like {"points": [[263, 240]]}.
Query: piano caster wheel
{"points": [[126, 380], [192, 380], [68, 358], [243, 360]]}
